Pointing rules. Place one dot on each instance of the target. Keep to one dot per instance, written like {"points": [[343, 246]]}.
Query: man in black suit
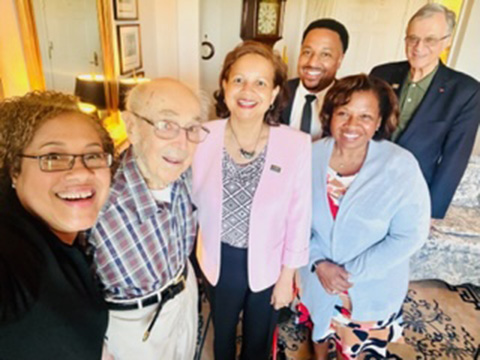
{"points": [[439, 107], [324, 44]]}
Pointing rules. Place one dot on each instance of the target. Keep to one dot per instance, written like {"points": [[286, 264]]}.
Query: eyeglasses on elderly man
{"points": [[166, 129]]}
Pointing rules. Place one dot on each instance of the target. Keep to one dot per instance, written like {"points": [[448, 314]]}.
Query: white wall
{"points": [[159, 36], [149, 36], [188, 30], [170, 33], [220, 25]]}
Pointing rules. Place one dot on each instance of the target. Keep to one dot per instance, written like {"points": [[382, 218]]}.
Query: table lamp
{"points": [[124, 86], [91, 89]]}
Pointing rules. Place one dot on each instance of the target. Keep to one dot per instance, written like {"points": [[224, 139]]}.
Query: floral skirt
{"points": [[354, 337]]}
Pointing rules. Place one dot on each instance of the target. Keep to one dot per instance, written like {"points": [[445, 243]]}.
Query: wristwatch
{"points": [[316, 263]]}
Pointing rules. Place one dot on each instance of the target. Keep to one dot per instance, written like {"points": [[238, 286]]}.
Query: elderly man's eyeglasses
{"points": [[61, 162], [430, 41], [165, 129]]}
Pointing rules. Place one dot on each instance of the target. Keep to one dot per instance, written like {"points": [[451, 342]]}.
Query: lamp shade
{"points": [[124, 86], [91, 89]]}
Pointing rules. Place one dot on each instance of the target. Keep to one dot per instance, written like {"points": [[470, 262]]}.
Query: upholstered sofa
{"points": [[452, 251]]}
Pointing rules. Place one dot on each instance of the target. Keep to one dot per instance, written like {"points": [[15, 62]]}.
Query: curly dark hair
{"points": [[20, 118], [341, 93], [272, 116]]}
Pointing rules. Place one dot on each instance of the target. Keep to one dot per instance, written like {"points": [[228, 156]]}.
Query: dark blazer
{"points": [[442, 131], [292, 88]]}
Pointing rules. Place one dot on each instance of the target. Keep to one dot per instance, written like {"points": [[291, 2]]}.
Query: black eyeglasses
{"points": [[62, 162], [165, 129]]}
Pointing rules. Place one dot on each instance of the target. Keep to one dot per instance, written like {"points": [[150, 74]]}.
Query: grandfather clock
{"points": [[262, 20]]}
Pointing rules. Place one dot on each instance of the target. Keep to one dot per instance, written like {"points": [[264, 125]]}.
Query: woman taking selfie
{"points": [[371, 212], [55, 177], [252, 188]]}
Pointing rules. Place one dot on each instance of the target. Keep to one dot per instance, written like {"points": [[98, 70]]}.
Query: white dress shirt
{"points": [[297, 110]]}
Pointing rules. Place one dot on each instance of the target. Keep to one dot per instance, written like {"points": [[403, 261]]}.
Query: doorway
{"points": [[69, 41]]}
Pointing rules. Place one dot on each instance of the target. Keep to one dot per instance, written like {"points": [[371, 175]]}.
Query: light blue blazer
{"points": [[382, 220]]}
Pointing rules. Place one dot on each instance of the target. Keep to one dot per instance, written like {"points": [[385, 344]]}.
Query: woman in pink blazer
{"points": [[252, 187]]}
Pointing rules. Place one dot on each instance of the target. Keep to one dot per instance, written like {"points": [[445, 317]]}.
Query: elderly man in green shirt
{"points": [[439, 107]]}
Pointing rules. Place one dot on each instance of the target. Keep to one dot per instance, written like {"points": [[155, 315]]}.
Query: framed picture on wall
{"points": [[125, 9], [129, 47]]}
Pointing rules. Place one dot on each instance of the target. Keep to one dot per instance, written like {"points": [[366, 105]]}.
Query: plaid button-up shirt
{"points": [[141, 244]]}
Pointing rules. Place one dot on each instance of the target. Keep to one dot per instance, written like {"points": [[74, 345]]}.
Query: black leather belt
{"points": [[159, 297]]}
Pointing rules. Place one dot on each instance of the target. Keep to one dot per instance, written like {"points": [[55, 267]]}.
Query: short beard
{"points": [[322, 84]]}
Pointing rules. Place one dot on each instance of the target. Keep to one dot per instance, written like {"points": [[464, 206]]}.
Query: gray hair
{"points": [[432, 9]]}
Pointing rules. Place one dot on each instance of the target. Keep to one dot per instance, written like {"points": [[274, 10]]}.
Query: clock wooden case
{"points": [[262, 20]]}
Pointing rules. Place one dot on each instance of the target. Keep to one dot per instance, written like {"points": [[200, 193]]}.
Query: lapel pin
{"points": [[276, 168], [395, 86], [441, 90]]}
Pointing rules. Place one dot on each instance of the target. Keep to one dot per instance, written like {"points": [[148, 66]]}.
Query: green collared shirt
{"points": [[410, 97]]}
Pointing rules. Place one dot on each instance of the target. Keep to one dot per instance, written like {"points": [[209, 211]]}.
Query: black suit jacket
{"points": [[292, 88], [442, 131]]}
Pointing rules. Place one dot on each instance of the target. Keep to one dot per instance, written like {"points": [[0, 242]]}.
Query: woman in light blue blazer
{"points": [[371, 212]]}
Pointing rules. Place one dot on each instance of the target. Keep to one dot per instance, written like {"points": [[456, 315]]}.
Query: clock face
{"points": [[267, 18]]}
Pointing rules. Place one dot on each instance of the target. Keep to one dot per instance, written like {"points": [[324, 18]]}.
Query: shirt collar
{"points": [[320, 95], [141, 200], [424, 83]]}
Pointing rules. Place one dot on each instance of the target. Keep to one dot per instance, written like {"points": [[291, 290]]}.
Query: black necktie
{"points": [[307, 114]]}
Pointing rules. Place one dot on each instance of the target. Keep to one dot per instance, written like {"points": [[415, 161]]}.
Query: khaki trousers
{"points": [[173, 337]]}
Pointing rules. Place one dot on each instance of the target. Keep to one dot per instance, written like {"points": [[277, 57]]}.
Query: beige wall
{"points": [[13, 71]]}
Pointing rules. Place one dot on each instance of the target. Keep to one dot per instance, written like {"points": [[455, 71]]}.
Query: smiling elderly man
{"points": [[324, 44], [439, 107], [145, 232]]}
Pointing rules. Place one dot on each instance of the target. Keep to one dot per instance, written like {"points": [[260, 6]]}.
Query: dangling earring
{"points": [[13, 185]]}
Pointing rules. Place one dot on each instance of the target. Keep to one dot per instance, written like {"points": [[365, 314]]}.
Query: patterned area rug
{"points": [[441, 322]]}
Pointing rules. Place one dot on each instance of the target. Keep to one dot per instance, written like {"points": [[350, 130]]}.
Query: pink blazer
{"points": [[280, 217]]}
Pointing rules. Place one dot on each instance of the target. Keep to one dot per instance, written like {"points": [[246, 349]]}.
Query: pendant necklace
{"points": [[248, 155]]}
